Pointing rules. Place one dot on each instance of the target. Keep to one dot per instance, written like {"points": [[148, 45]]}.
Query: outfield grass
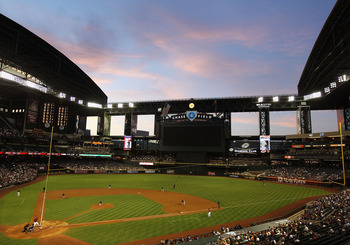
{"points": [[125, 206], [241, 199]]}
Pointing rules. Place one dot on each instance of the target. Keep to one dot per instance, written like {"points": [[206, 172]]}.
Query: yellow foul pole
{"points": [[47, 178]]}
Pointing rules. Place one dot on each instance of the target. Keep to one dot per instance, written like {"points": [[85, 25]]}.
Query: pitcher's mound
{"points": [[103, 205]]}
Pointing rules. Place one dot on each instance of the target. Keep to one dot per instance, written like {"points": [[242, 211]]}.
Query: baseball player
{"points": [[36, 223]]}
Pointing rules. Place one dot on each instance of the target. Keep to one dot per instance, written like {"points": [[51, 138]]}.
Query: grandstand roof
{"points": [[31, 54], [330, 59]]}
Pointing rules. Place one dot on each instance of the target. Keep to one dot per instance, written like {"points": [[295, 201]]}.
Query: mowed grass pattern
{"points": [[125, 206], [240, 199]]}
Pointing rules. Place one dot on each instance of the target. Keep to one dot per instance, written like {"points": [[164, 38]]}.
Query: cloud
{"points": [[245, 118], [283, 120]]}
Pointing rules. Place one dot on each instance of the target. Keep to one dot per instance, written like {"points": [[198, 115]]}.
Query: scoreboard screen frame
{"points": [[204, 137]]}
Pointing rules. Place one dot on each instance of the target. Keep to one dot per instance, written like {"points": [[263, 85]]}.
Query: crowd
{"points": [[15, 173], [98, 165], [307, 173], [324, 221], [5, 132], [169, 158]]}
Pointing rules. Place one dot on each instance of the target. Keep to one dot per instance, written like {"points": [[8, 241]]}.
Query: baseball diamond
{"points": [[135, 209]]}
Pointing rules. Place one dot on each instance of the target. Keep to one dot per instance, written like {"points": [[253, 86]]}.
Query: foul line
{"points": [[167, 215]]}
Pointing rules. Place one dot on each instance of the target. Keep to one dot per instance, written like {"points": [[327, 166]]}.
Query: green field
{"points": [[240, 199]]}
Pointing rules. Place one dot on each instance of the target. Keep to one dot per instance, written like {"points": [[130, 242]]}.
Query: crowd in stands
{"points": [[15, 173], [5, 132], [169, 158], [144, 158], [306, 173], [324, 221], [98, 165]]}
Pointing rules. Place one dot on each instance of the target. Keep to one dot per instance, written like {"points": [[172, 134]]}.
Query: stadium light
{"points": [[131, 105], [62, 95], [72, 98], [261, 99], [343, 78], [95, 105], [110, 106], [291, 98], [80, 102], [312, 96], [120, 105], [275, 99]]}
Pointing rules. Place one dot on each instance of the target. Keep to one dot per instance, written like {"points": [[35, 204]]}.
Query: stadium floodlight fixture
{"points": [[95, 105], [327, 90], [291, 98], [343, 78], [109, 106], [72, 98], [275, 99], [62, 95], [261, 99], [120, 105], [312, 96], [131, 105], [80, 102]]}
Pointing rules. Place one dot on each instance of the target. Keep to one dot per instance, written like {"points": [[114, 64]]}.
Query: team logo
{"points": [[245, 145], [191, 115]]}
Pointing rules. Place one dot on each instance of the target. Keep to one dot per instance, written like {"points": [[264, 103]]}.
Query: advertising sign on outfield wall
{"points": [[150, 171]]}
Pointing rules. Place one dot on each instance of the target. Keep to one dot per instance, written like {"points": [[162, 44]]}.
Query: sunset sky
{"points": [[162, 50]]}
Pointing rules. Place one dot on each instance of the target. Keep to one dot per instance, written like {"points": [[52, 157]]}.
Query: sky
{"points": [[163, 50]]}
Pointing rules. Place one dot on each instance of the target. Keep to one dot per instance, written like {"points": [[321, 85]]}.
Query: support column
{"points": [[227, 123], [157, 122], [304, 120], [347, 118], [100, 124], [343, 117], [107, 125], [127, 124], [264, 121]]}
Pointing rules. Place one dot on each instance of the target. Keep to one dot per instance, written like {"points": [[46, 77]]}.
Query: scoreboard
{"points": [[193, 136]]}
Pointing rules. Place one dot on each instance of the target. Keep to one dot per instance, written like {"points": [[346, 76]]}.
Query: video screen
{"points": [[193, 137], [265, 143], [127, 143]]}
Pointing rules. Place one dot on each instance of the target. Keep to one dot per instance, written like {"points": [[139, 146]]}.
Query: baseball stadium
{"points": [[193, 181]]}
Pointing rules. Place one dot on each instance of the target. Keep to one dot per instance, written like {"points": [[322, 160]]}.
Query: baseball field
{"points": [[135, 210]]}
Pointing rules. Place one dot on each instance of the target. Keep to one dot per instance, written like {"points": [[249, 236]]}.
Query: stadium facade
{"points": [[42, 89]]}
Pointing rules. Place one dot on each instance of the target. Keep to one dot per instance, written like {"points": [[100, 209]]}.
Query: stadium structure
{"points": [[43, 93], [42, 88]]}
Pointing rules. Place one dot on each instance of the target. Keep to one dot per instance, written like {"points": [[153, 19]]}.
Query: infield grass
{"points": [[240, 199]]}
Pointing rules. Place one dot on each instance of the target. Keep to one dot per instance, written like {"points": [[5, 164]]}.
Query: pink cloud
{"points": [[288, 121], [245, 118]]}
